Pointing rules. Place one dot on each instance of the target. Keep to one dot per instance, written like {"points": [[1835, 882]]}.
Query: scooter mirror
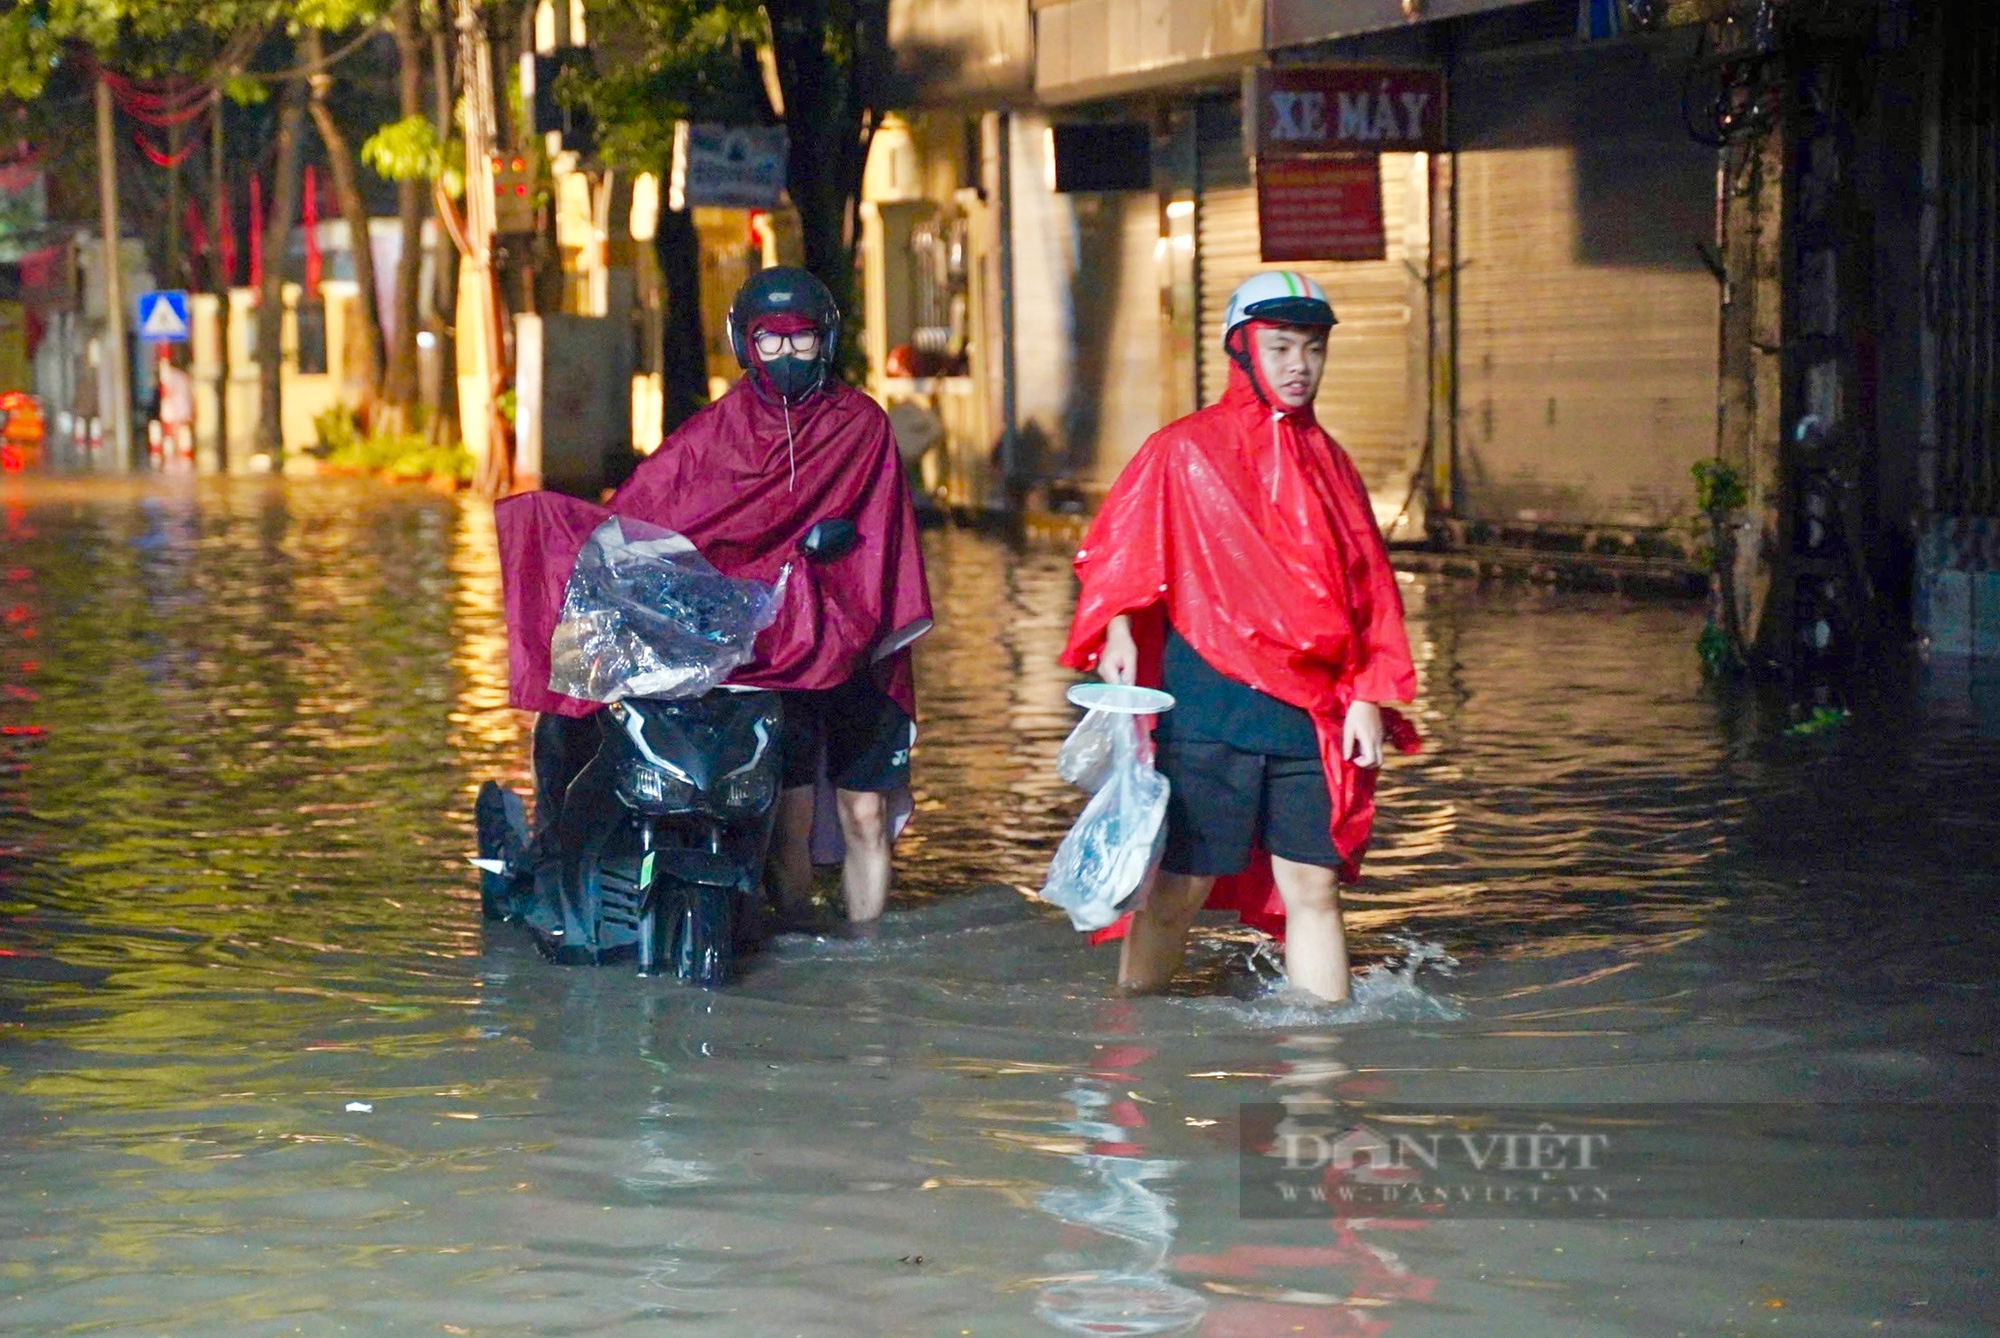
{"points": [[829, 539]]}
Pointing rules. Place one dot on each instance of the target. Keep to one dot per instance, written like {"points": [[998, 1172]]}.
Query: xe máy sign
{"points": [[1308, 109], [1318, 133]]}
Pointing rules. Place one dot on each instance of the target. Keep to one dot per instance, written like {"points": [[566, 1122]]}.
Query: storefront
{"points": [[1961, 471], [1958, 375], [936, 318], [1587, 318], [930, 268], [1533, 346], [1108, 271], [1537, 350]]}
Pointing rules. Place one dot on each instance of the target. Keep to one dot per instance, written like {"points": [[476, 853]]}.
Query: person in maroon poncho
{"points": [[745, 480], [1236, 563]]}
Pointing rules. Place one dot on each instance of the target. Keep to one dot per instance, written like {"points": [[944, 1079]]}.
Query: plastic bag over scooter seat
{"points": [[645, 615]]}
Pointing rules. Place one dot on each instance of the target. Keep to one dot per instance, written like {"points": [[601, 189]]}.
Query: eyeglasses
{"points": [[771, 344]]}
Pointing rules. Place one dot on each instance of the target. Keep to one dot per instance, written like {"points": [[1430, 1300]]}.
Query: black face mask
{"points": [[792, 379]]}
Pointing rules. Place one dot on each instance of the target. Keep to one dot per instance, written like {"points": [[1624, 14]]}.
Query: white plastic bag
{"points": [[1110, 853], [645, 615], [1086, 755]]}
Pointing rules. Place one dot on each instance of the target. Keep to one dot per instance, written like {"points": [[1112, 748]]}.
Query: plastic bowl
{"points": [[1124, 700]]}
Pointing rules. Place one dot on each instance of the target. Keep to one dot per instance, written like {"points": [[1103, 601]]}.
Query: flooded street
{"points": [[264, 1070]]}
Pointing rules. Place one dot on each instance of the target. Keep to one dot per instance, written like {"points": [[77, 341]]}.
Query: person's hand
{"points": [[1361, 735], [1119, 662]]}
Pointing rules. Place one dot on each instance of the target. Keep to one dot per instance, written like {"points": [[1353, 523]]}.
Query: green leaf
{"points": [[244, 90], [1718, 655], [405, 150], [1823, 720], [1719, 488], [28, 51]]}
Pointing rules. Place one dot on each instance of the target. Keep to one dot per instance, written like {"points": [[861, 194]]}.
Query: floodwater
{"points": [[263, 1070]]}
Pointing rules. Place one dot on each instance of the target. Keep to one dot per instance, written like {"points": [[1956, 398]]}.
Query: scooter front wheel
{"points": [[700, 924]]}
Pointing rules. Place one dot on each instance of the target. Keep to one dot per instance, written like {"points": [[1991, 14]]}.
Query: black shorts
{"points": [[1223, 800], [856, 731]]}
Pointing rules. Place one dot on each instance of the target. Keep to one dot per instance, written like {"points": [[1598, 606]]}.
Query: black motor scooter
{"points": [[657, 845]]}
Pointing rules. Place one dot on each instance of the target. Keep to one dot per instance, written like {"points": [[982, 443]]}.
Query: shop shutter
{"points": [[1963, 279], [1371, 398], [1587, 319]]}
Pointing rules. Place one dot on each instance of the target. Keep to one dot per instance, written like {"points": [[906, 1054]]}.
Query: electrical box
{"points": [[513, 193]]}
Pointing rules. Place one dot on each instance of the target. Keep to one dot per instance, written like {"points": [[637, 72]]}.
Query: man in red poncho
{"points": [[745, 480], [1236, 563]]}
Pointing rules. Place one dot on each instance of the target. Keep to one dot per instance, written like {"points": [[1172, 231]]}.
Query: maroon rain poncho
{"points": [[743, 480]]}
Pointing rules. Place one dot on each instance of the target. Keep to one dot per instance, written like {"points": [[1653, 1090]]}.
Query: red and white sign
{"points": [[1305, 109], [1320, 208]]}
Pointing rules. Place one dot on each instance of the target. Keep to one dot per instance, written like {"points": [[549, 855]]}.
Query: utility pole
{"points": [[480, 352], [113, 368], [1010, 444], [219, 222]]}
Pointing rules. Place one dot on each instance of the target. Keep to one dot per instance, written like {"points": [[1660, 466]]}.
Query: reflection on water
{"points": [[241, 725], [1129, 1200]]}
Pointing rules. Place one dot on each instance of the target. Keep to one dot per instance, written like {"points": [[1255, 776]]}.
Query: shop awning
{"points": [[1086, 49]]}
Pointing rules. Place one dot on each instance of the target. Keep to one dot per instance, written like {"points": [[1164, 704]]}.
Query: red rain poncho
{"points": [[1250, 531], [744, 490]]}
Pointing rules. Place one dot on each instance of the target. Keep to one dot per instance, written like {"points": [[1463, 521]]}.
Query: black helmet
{"points": [[790, 291]]}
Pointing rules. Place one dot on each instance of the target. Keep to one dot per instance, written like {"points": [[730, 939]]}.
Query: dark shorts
{"points": [[1224, 800], [855, 730]]}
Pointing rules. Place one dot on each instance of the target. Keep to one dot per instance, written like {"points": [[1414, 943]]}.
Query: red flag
{"points": [[256, 231], [226, 242], [309, 216], [197, 235]]}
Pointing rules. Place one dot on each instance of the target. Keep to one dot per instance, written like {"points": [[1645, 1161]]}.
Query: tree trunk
{"points": [[445, 265], [831, 105], [340, 157], [270, 298], [683, 353], [401, 387]]}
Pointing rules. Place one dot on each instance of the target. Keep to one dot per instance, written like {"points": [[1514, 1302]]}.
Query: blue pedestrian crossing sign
{"points": [[163, 316]]}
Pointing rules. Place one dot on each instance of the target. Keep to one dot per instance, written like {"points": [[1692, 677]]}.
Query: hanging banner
{"points": [[1320, 208], [732, 166], [1303, 109]]}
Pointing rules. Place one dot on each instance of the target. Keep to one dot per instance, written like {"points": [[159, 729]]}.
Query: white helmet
{"points": [[1282, 295]]}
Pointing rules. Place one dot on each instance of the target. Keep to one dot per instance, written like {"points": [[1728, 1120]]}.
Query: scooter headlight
{"points": [[649, 789], [748, 791]]}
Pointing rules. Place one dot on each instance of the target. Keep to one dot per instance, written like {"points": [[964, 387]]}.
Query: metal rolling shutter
{"points": [[1963, 284], [1587, 320], [1369, 400]]}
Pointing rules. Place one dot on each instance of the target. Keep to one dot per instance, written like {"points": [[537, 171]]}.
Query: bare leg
{"points": [[1157, 937], [1315, 938], [791, 851], [864, 879]]}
